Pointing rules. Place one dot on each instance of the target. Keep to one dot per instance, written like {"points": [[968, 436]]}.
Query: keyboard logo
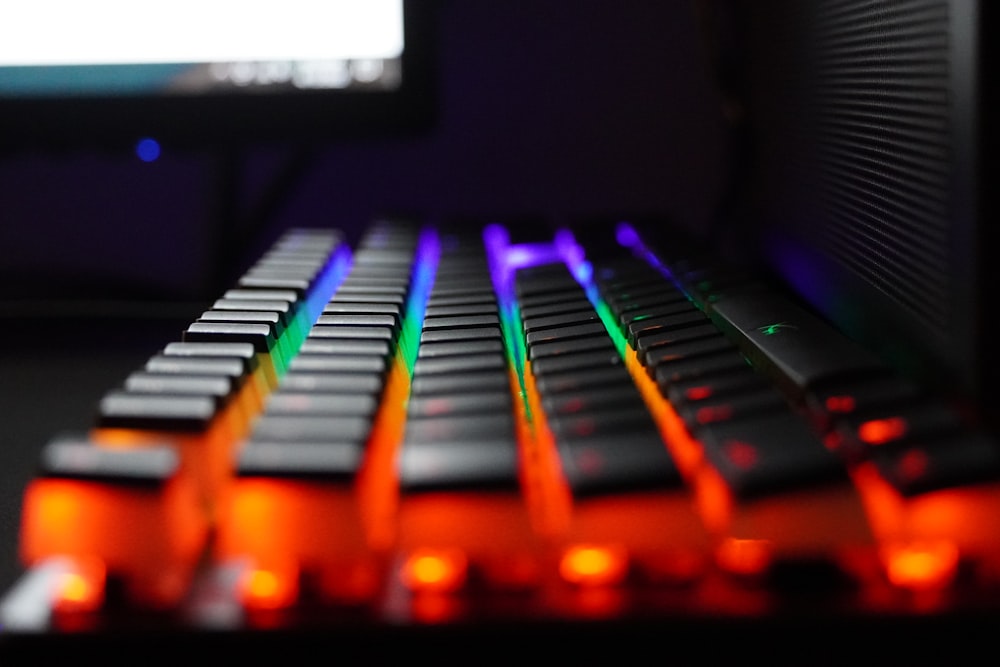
{"points": [[772, 329]]}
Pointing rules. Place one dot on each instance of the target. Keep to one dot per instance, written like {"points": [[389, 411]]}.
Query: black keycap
{"points": [[360, 383], [636, 315], [694, 390], [475, 333], [600, 342], [578, 380], [649, 340], [358, 320], [339, 363], [566, 333], [667, 372], [780, 338], [681, 320], [472, 297], [219, 386], [452, 348], [271, 318], [733, 406], [283, 308], [260, 336], [368, 297], [837, 399], [689, 349], [631, 462], [122, 409], [482, 464], [460, 322], [572, 293], [890, 427], [76, 458], [607, 395], [466, 309], [345, 346], [287, 402], [277, 296], [367, 333], [312, 428], [469, 363], [577, 362], [451, 382], [612, 421], [580, 303], [243, 351], [299, 285], [300, 460], [231, 367], [462, 428], [768, 455], [481, 402], [532, 324], [926, 466]]}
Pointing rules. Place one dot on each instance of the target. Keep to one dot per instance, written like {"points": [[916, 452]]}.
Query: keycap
{"points": [[83, 498], [483, 464], [783, 340]]}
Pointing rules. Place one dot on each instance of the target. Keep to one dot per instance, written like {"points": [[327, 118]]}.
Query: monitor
{"points": [[111, 71]]}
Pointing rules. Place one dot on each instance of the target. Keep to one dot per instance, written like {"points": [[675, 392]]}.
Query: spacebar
{"points": [[783, 340]]}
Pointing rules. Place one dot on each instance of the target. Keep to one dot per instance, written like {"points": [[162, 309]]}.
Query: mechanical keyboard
{"points": [[437, 429]]}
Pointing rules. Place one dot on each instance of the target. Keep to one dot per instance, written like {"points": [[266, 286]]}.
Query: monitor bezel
{"points": [[233, 119]]}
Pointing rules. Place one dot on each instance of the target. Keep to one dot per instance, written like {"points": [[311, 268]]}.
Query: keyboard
{"points": [[581, 434]]}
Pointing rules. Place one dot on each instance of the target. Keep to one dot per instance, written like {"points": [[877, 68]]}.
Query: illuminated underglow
{"points": [[626, 235], [744, 557], [881, 431], [275, 588], [434, 571], [81, 587], [594, 565], [327, 282], [426, 260], [922, 566]]}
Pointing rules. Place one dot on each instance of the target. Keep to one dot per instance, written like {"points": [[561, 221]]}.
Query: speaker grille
{"points": [[883, 127]]}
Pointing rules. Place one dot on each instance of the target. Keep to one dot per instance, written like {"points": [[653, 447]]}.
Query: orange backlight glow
{"points": [[270, 588], [80, 588], [922, 566], [881, 431], [436, 571], [589, 565], [744, 557]]}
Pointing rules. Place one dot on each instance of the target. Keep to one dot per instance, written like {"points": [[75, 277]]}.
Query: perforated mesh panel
{"points": [[882, 105]]}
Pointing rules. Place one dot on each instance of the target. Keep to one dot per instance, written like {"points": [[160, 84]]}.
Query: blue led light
{"points": [[147, 149]]}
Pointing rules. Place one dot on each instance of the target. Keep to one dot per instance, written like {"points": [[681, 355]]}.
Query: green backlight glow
{"points": [[428, 253]]}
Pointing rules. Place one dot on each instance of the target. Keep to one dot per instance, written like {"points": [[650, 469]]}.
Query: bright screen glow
{"points": [[124, 46]]}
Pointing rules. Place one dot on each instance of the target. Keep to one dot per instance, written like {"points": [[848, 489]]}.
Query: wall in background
{"points": [[547, 107]]}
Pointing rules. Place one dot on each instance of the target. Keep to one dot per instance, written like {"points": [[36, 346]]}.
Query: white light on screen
{"points": [[115, 32]]}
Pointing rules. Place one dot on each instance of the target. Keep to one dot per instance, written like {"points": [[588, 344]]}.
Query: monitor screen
{"points": [[228, 70]]}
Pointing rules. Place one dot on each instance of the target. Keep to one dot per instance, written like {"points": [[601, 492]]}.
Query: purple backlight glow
{"points": [[626, 235], [574, 256]]}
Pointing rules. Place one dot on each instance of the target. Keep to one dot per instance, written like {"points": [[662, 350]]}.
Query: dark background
{"points": [[544, 108]]}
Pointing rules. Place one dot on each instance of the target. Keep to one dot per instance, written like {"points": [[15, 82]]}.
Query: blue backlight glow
{"points": [[147, 149]]}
